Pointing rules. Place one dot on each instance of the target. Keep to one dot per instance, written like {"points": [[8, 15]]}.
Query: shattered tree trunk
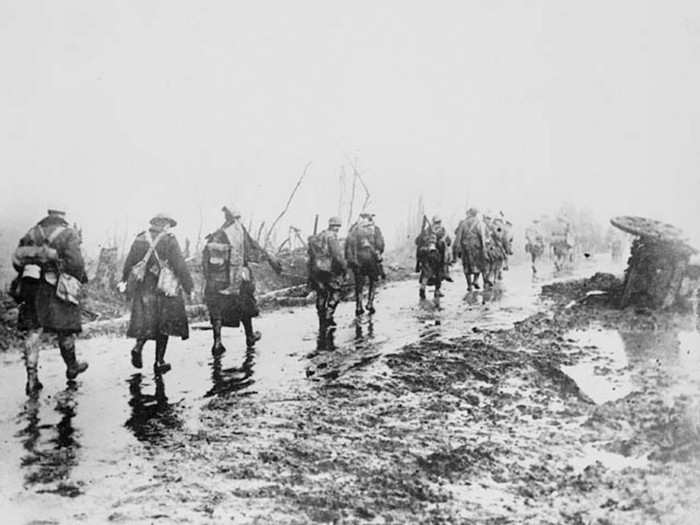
{"points": [[107, 274], [654, 273]]}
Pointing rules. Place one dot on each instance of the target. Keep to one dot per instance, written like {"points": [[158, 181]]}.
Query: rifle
{"points": [[272, 261]]}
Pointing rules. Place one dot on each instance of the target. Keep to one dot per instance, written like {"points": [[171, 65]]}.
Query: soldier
{"points": [[156, 275], [534, 243], [229, 290], [431, 247], [363, 251], [469, 245], [51, 271], [365, 233], [327, 268]]}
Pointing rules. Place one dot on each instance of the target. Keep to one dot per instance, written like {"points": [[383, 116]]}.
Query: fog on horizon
{"points": [[118, 111]]}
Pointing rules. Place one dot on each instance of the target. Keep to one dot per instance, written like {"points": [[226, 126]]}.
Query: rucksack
{"points": [[319, 253]]}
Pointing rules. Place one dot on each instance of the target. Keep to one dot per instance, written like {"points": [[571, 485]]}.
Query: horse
{"points": [[498, 245], [363, 261]]}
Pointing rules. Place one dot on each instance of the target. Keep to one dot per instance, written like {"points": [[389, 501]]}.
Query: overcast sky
{"points": [[117, 110]]}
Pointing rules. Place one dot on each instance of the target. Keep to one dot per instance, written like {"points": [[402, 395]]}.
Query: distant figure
{"points": [[469, 246], [327, 268], [498, 245], [364, 248], [229, 291], [155, 276], [562, 243], [431, 247], [534, 243], [616, 249], [51, 271]]}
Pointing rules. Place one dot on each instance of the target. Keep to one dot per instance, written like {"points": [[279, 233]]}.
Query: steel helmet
{"points": [[335, 221]]}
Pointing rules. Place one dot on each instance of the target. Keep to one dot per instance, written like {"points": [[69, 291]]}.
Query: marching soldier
{"points": [[156, 275], [230, 287], [431, 260], [470, 246], [327, 268], [366, 234], [51, 271]]}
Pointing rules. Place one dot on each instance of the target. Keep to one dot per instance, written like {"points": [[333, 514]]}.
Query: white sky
{"points": [[117, 110]]}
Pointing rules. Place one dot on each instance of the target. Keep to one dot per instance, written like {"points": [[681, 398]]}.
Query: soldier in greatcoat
{"points": [[327, 269], [50, 270], [230, 285], [156, 314]]}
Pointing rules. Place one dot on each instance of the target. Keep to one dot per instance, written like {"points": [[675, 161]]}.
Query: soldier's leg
{"points": [[321, 304], [370, 294], [251, 336], [359, 289], [66, 343], [31, 361], [422, 283], [437, 293], [137, 353], [160, 366], [218, 347], [331, 304]]}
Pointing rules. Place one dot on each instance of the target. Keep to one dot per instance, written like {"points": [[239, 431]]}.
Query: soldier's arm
{"points": [[379, 240], [131, 259], [24, 241], [337, 253], [178, 264], [71, 257]]}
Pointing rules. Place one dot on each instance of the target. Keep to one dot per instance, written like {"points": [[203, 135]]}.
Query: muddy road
{"points": [[503, 407]]}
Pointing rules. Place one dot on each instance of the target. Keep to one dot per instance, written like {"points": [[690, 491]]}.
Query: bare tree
{"points": [[289, 201]]}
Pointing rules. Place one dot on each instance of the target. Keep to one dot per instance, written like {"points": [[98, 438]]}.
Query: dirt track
{"points": [[502, 408]]}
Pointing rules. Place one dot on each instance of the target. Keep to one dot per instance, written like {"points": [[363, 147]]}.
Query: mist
{"points": [[120, 111]]}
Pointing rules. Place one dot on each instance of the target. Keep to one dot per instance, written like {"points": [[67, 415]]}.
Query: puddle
{"points": [[603, 374], [75, 451], [611, 461]]}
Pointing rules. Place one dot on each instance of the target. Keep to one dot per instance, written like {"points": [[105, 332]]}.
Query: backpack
{"points": [[319, 253]]}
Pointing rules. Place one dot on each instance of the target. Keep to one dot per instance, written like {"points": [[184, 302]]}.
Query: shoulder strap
{"points": [[37, 234], [54, 234], [152, 247]]}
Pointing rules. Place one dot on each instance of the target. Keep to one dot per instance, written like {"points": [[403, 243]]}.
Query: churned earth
{"points": [[524, 405]]}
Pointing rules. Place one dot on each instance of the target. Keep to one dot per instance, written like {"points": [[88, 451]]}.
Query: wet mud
{"points": [[504, 407]]}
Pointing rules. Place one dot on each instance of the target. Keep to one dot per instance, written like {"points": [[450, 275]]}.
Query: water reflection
{"points": [[152, 416], [51, 460], [362, 340], [325, 340], [227, 380]]}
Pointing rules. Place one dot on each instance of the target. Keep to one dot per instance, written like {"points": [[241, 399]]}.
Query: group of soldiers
{"points": [[558, 238], [51, 270], [156, 278]]}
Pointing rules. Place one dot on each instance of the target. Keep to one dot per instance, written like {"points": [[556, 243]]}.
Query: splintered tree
{"points": [[107, 273]]}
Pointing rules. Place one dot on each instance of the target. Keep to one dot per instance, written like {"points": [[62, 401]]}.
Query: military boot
{"points": [[160, 366], [31, 362], [33, 384], [251, 336], [137, 354], [217, 348], [470, 282], [73, 366]]}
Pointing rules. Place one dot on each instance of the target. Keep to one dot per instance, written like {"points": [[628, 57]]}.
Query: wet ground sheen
{"points": [[501, 407]]}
